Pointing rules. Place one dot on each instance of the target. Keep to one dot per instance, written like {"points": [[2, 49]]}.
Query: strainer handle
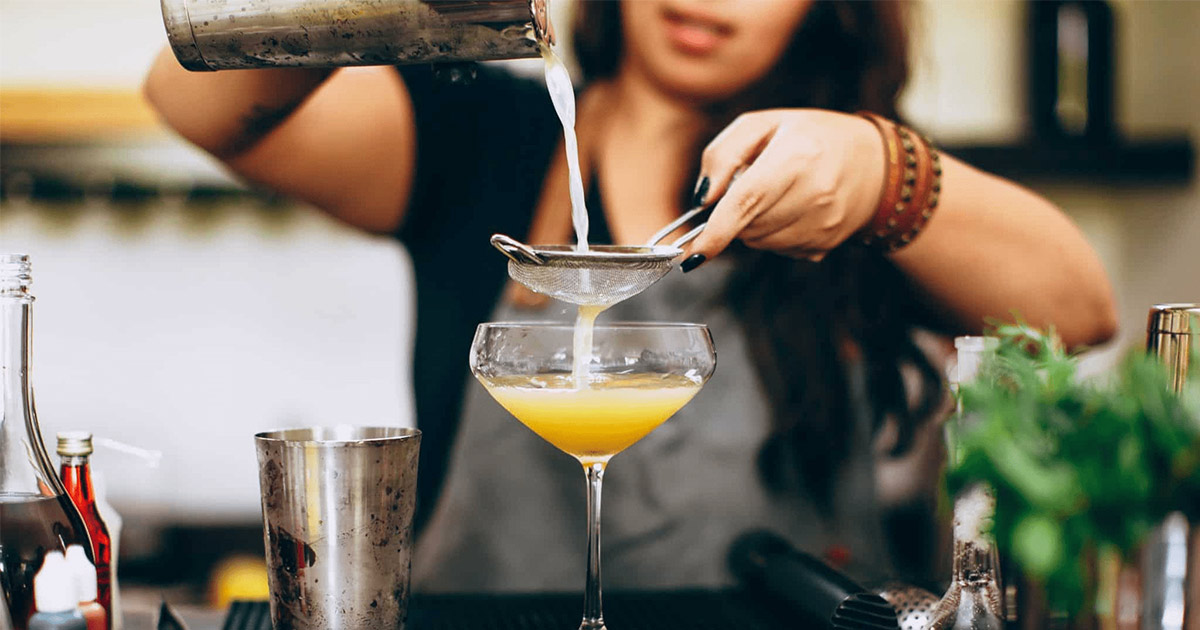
{"points": [[674, 225], [516, 251], [687, 238]]}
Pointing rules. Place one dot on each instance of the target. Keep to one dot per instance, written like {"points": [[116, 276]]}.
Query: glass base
{"points": [[592, 624]]}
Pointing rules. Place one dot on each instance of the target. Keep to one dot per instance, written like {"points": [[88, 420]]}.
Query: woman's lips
{"points": [[694, 34]]}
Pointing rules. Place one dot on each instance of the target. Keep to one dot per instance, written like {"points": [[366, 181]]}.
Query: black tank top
{"points": [[483, 150]]}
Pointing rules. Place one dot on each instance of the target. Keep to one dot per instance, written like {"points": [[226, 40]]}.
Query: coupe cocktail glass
{"points": [[636, 376]]}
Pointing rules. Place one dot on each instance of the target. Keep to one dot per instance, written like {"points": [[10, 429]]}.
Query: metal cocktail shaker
{"points": [[337, 522], [233, 34], [1171, 562]]}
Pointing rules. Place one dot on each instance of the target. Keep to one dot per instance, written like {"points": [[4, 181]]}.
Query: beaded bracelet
{"points": [[911, 187]]}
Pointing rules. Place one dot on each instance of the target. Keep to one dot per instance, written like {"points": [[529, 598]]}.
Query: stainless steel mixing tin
{"points": [[337, 520], [232, 34]]}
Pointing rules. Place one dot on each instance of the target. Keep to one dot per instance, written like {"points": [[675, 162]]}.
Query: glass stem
{"points": [[593, 615]]}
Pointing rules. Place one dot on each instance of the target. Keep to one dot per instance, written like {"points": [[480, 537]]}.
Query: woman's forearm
{"points": [[341, 140], [995, 249], [226, 112]]}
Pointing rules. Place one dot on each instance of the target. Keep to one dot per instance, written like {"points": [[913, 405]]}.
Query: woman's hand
{"points": [[813, 178], [795, 181]]}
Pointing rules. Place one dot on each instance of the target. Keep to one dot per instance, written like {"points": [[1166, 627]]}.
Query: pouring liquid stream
{"points": [[562, 95]]}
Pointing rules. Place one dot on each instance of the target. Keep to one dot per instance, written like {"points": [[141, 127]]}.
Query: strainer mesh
{"points": [[589, 281]]}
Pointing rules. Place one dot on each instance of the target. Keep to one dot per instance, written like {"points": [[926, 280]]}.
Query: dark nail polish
{"points": [[693, 261], [701, 192]]}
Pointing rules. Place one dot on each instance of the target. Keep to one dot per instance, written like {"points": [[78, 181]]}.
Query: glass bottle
{"points": [[36, 516], [1171, 560], [974, 600], [74, 450]]}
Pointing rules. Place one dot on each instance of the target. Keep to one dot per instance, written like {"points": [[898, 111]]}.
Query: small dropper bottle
{"points": [[54, 597], [85, 586]]}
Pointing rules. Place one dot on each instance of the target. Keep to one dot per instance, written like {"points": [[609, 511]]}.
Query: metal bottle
{"points": [[1171, 561], [974, 600], [232, 34]]}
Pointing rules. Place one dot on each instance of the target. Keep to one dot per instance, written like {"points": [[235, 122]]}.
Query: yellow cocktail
{"points": [[592, 393], [593, 423]]}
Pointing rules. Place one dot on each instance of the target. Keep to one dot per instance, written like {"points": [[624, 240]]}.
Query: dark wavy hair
{"points": [[807, 323]]}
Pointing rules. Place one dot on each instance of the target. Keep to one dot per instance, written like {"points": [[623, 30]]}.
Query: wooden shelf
{"points": [[1163, 161], [74, 115]]}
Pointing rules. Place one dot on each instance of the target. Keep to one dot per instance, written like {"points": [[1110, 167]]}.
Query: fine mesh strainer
{"points": [[601, 275]]}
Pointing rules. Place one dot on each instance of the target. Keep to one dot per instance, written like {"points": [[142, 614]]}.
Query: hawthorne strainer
{"points": [[601, 275]]}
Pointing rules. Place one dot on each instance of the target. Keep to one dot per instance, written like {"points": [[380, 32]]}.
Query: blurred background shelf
{"points": [[62, 144], [71, 169], [62, 114], [1169, 160]]}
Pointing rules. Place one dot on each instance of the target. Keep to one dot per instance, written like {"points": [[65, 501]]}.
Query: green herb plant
{"points": [[1078, 468]]}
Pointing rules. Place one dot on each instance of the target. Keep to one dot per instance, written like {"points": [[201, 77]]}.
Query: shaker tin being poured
{"points": [[238, 34]]}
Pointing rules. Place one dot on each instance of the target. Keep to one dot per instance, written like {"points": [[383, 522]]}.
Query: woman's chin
{"points": [[701, 87], [699, 79]]}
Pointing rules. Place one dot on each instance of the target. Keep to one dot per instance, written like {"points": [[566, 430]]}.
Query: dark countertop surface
{"points": [[694, 610]]}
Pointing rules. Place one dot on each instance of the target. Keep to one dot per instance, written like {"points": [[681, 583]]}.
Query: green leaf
{"points": [[1037, 545], [1075, 466]]}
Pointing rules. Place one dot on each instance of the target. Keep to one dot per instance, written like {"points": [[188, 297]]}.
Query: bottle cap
{"points": [[74, 444], [54, 586], [1174, 319], [15, 275], [83, 572], [1171, 332], [971, 351], [974, 343]]}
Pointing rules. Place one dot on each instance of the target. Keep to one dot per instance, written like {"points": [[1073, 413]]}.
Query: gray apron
{"points": [[511, 516]]}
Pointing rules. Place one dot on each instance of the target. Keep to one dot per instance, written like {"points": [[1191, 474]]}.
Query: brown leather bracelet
{"points": [[892, 184], [912, 186], [908, 223]]}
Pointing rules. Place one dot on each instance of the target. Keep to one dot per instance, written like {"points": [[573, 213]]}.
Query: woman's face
{"points": [[707, 50]]}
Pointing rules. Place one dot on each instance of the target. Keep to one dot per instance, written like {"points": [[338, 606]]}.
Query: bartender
{"points": [[845, 240]]}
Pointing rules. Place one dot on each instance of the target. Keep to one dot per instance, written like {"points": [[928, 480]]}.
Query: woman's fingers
{"points": [[761, 186], [734, 148]]}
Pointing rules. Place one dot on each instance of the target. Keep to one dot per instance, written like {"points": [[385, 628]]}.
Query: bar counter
{"points": [[694, 610]]}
